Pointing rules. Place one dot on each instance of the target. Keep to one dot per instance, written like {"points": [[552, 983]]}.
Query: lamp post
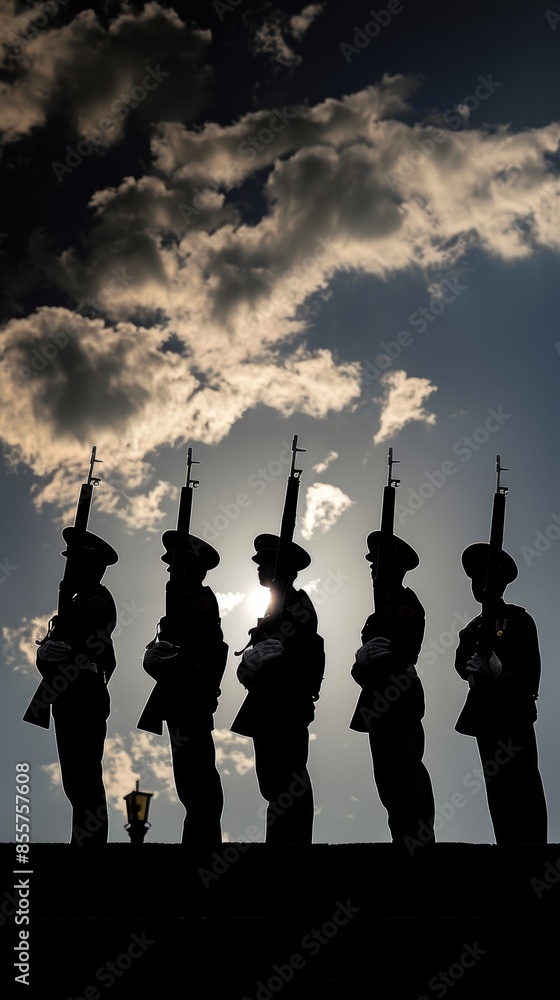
{"points": [[137, 808]]}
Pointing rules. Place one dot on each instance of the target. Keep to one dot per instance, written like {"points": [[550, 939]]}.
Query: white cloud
{"points": [[138, 756], [234, 749], [139, 376], [323, 466], [227, 602], [402, 403], [19, 646], [300, 23], [147, 758], [117, 383], [324, 506]]}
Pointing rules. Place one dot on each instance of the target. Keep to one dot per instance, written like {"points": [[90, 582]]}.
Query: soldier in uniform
{"points": [[503, 668], [188, 677], [76, 661], [391, 705], [282, 670]]}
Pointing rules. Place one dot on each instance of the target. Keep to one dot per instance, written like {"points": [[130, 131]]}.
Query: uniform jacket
{"points": [[283, 691], [506, 702], [87, 629], [391, 688], [188, 687]]}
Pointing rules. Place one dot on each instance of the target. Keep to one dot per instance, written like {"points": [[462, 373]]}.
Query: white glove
{"points": [[53, 652], [373, 651], [268, 649], [478, 665], [160, 653]]}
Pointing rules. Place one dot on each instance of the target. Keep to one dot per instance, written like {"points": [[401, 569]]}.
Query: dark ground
{"points": [[256, 921]]}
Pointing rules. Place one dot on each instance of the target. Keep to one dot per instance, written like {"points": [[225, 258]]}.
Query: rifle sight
{"points": [[391, 462], [93, 480]]}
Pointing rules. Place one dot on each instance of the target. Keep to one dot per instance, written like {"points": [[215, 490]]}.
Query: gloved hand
{"points": [[159, 653], [478, 665], [268, 649], [53, 652], [373, 651]]}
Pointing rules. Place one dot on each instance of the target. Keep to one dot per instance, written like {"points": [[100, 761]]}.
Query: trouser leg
{"points": [[80, 744], [514, 788], [402, 779], [284, 781], [199, 787]]}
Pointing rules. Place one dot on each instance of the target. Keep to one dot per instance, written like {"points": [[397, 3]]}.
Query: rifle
{"points": [[280, 582], [175, 586], [382, 579], [492, 586], [59, 628], [67, 586]]}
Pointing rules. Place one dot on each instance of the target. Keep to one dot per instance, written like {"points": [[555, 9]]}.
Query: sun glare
{"points": [[257, 601]]}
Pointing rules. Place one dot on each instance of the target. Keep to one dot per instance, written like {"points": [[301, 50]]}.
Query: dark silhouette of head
{"points": [[94, 553], [475, 564], [266, 554], [403, 556], [200, 557]]}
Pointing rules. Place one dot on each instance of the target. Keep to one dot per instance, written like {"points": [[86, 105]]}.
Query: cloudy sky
{"points": [[228, 223]]}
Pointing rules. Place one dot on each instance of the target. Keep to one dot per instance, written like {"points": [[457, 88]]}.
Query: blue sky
{"points": [[281, 236]]}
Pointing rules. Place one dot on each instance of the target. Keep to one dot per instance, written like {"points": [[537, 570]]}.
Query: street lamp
{"points": [[137, 808]]}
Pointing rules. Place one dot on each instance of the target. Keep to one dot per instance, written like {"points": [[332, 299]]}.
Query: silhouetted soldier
{"points": [[391, 706], [502, 665], [188, 677], [76, 661], [282, 670]]}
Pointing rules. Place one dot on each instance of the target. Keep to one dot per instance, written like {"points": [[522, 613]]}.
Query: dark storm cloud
{"points": [[85, 75]]}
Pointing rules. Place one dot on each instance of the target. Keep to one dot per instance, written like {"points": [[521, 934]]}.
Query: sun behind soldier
{"points": [[500, 709], [282, 670], [188, 671], [391, 706]]}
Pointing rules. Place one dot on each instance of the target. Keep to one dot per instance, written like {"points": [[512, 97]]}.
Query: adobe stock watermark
{"points": [[444, 642], [471, 954], [6, 570], [543, 540], [95, 305], [380, 19], [312, 943], [419, 320], [550, 876], [121, 108], [400, 684], [257, 482], [227, 6], [288, 284], [547, 199], [38, 19], [464, 448], [552, 17], [67, 673], [474, 780], [90, 308], [323, 588], [223, 860], [255, 143], [108, 973], [454, 117]]}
